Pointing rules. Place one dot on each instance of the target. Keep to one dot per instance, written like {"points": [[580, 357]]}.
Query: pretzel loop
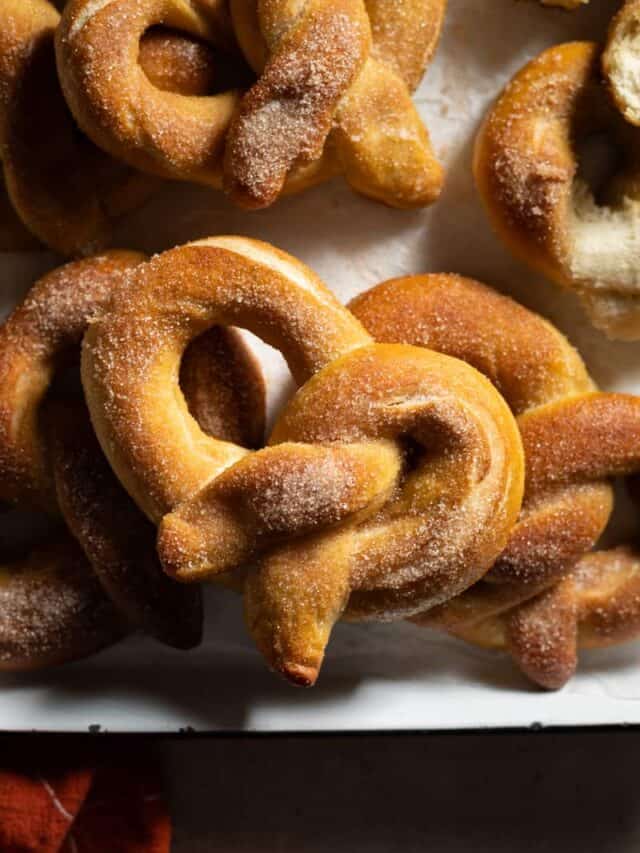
{"points": [[114, 102], [526, 166], [145, 427], [67, 192]]}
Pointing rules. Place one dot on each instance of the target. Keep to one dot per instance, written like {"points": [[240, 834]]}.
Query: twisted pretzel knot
{"points": [[67, 192], [390, 481], [575, 438], [326, 75], [50, 458], [341, 71]]}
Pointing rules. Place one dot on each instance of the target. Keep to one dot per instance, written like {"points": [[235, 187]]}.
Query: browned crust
{"points": [[35, 341], [50, 457], [524, 163], [237, 410], [155, 447], [285, 118], [117, 106], [52, 609], [328, 508], [68, 192], [114, 535], [336, 82], [574, 438]]}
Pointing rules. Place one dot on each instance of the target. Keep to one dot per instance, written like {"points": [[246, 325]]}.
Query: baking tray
{"points": [[384, 677]]}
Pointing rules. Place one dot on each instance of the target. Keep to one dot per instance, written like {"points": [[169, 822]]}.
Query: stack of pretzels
{"points": [[446, 458]]}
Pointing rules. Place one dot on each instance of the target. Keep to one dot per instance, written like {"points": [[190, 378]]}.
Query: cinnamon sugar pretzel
{"points": [[67, 192], [49, 456], [328, 69], [575, 438], [390, 482], [527, 171]]}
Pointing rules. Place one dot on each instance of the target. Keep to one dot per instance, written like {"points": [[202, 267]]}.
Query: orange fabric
{"points": [[113, 809]]}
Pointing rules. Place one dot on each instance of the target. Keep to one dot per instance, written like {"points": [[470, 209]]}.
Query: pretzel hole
{"points": [[605, 195], [413, 454], [280, 385], [599, 159], [22, 530], [176, 61]]}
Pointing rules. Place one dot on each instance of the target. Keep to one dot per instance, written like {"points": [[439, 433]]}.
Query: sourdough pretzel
{"points": [[66, 470], [327, 58], [526, 169], [337, 512], [574, 438], [66, 191], [339, 72]]}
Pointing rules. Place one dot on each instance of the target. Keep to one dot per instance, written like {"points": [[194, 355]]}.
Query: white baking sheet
{"points": [[381, 677]]}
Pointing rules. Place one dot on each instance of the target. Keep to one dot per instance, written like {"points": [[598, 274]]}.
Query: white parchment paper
{"points": [[388, 676]]}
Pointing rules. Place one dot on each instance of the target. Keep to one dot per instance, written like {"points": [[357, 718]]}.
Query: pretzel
{"points": [[341, 74], [575, 438], [65, 470], [66, 191], [526, 169], [341, 512], [322, 64]]}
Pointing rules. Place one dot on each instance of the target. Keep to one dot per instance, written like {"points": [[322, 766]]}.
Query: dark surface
{"points": [[504, 793], [508, 792]]}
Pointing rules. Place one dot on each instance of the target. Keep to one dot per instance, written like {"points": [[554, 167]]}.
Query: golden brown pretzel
{"points": [[391, 481], [378, 138], [66, 470], [526, 169], [337, 73], [574, 440], [66, 191]]}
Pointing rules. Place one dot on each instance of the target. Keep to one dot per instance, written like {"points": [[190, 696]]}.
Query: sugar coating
{"points": [[574, 438], [52, 609], [528, 173]]}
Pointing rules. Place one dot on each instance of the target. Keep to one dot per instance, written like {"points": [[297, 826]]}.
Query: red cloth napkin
{"points": [[111, 808]]}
